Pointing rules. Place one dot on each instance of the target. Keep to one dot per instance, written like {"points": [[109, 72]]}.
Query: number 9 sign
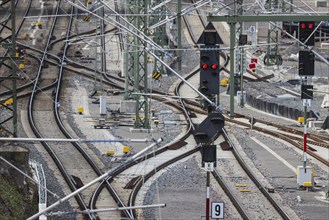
{"points": [[217, 210]]}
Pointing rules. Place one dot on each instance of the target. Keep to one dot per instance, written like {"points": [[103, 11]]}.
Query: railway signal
{"points": [[306, 63], [209, 157], [254, 60], [209, 129], [209, 71], [210, 36], [307, 92], [209, 60], [252, 66], [306, 29]]}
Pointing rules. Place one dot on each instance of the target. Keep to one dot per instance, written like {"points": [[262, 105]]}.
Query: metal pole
{"points": [[305, 137], [179, 35], [251, 122], [242, 64], [232, 60], [13, 65], [208, 196]]}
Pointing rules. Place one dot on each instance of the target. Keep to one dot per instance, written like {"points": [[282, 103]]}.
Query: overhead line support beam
{"points": [[266, 18]]}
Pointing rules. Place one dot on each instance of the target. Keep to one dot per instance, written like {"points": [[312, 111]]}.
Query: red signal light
{"points": [[254, 60], [204, 66], [252, 66], [214, 66], [309, 26]]}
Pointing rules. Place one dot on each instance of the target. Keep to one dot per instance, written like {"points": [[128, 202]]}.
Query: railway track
{"points": [[70, 170], [138, 181], [185, 106], [286, 137], [40, 130], [257, 182]]}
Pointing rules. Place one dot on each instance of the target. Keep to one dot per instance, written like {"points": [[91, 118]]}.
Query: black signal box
{"points": [[306, 28], [306, 63], [307, 92]]}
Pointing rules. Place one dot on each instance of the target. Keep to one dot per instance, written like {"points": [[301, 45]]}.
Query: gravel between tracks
{"points": [[183, 188], [277, 176]]}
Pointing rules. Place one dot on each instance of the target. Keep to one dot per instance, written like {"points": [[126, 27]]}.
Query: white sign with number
{"points": [[209, 167], [252, 29], [217, 210]]}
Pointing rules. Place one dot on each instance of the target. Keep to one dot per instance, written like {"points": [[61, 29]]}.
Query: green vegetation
{"points": [[14, 204]]}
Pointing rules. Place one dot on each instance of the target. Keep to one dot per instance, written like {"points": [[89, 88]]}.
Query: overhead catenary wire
{"points": [[134, 31], [183, 12], [152, 44]]}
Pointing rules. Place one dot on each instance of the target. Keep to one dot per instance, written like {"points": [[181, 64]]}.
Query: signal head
{"points": [[204, 58], [214, 66], [204, 66]]}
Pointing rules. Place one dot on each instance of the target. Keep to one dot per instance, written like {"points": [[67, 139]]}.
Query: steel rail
{"points": [[67, 134], [283, 137], [237, 204], [251, 175], [51, 152]]}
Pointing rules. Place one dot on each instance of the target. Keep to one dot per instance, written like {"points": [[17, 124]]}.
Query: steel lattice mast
{"points": [[272, 56], [136, 66], [136, 62], [240, 55], [159, 32], [100, 59], [9, 75]]}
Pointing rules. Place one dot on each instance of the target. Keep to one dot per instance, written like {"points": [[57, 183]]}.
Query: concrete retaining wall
{"points": [[275, 108]]}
